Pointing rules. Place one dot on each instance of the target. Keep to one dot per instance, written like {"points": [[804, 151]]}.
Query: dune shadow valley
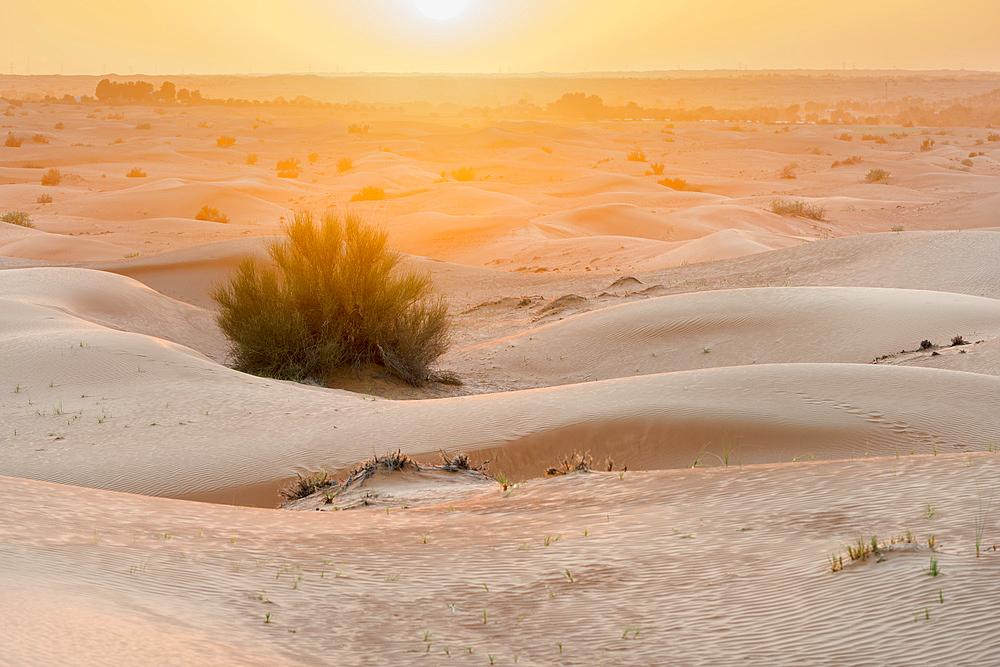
{"points": [[643, 367]]}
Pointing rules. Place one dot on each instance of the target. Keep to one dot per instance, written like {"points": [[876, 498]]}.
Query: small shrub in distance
{"points": [[288, 168], [358, 128], [464, 174], [336, 297], [251, 158], [788, 171], [143, 126], [369, 193], [877, 175], [40, 139], [52, 177], [846, 137], [854, 159], [60, 126], [13, 141], [655, 169], [225, 142], [17, 218], [676, 184], [210, 214], [993, 136], [136, 172], [31, 165], [44, 199], [344, 164], [797, 207], [967, 162], [927, 145], [313, 156], [635, 155]]}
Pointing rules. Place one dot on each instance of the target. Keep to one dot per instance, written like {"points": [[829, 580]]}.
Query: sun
{"points": [[441, 10]]}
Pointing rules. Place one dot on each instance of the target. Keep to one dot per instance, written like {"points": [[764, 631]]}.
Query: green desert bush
{"points": [[209, 214], [17, 218], [798, 207], [225, 141], [52, 176], [877, 175], [369, 193], [335, 296]]}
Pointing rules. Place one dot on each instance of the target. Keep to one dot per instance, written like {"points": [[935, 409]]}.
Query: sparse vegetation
{"points": [[13, 141], [17, 218], [576, 462], [635, 155], [308, 485], [655, 169], [40, 139], [251, 158], [358, 128], [967, 162], [854, 159], [877, 175], [993, 136], [799, 208], [846, 137], [313, 157], [788, 171], [44, 199], [344, 164], [52, 177], [136, 172], [676, 184], [209, 214], [288, 168], [336, 297], [369, 193], [464, 174], [225, 141], [143, 126]]}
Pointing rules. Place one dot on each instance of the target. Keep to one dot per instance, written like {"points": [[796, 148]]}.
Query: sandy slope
{"points": [[741, 556]]}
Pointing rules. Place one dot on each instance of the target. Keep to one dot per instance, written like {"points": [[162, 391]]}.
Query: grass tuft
{"points": [[136, 172], [799, 208], [877, 175], [209, 214], [17, 218], [52, 177], [369, 193]]}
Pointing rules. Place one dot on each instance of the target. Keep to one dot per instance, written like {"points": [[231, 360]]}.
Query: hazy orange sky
{"points": [[226, 36]]}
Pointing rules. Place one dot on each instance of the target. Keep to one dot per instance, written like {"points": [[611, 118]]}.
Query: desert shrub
{"points": [[967, 162], [846, 137], [788, 171], [313, 156], [225, 142], [52, 176], [369, 193], [143, 126], [877, 175], [251, 158], [13, 141], [927, 145], [31, 165], [336, 296], [655, 169], [635, 155], [464, 174], [288, 168], [136, 172], [204, 124], [17, 218], [993, 136], [344, 164], [976, 153], [798, 207], [60, 126], [210, 214], [854, 159], [116, 116], [676, 184], [40, 139], [44, 199], [358, 128]]}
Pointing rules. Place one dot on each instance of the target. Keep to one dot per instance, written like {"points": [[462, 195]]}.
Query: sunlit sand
{"points": [[753, 391]]}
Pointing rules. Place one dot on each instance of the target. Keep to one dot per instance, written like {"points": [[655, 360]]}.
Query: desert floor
{"points": [[755, 383]]}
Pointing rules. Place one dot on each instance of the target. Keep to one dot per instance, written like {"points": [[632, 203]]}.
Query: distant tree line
{"points": [[142, 91]]}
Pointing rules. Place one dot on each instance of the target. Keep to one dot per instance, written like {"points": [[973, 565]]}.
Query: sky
{"points": [[519, 36]]}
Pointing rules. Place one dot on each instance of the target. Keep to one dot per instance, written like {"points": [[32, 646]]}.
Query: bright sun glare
{"points": [[441, 10]]}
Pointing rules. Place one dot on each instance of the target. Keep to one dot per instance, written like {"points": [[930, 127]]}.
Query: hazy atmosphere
{"points": [[495, 333]]}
